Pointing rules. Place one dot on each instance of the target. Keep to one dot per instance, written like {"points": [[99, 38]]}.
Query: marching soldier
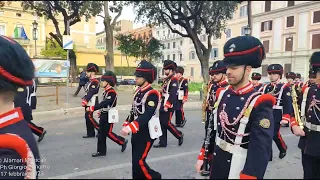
{"points": [[182, 97], [298, 80], [312, 79], [309, 129], [91, 99], [218, 79], [290, 76], [245, 121], [256, 77], [169, 98], [144, 108], [19, 154], [25, 99], [109, 101], [282, 111]]}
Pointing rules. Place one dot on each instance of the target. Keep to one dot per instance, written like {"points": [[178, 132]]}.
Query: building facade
{"points": [[289, 31], [17, 24], [121, 27]]}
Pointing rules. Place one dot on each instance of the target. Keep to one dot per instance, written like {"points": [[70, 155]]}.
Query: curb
{"points": [[71, 111]]}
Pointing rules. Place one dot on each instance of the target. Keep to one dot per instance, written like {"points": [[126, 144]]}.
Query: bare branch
{"points": [[168, 24], [116, 18], [100, 16]]}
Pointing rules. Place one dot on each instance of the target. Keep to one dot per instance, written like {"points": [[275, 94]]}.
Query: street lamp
{"points": [[247, 30], [35, 27]]}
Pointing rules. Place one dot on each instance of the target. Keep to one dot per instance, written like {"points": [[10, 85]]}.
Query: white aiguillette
{"points": [[113, 115]]}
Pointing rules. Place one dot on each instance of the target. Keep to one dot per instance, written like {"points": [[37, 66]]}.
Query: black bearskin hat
{"points": [[110, 77], [146, 70], [92, 67], [256, 76]]}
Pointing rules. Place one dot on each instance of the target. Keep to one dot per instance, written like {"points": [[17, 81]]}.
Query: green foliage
{"points": [[139, 48], [3, 3], [53, 49], [124, 71], [193, 86]]}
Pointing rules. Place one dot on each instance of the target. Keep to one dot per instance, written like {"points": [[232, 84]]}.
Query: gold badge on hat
{"points": [[20, 89], [151, 103], [265, 123]]}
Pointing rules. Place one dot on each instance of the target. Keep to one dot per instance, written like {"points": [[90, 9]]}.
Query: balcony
{"points": [[22, 41]]}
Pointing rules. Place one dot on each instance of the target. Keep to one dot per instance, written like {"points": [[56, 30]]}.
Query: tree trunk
{"points": [[249, 16], [109, 38], [73, 64], [205, 69], [127, 61]]}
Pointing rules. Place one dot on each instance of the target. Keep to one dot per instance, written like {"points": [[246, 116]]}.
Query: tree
{"points": [[3, 3], [148, 49], [126, 45], [71, 11], [110, 26], [53, 49], [195, 17]]}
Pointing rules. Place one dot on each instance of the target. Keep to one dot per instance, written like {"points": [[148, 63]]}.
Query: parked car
{"points": [[128, 82]]}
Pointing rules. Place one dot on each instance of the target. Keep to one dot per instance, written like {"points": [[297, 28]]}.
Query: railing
{"points": [[50, 95]]}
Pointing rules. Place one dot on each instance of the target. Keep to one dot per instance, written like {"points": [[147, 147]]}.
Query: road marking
{"points": [[119, 166]]}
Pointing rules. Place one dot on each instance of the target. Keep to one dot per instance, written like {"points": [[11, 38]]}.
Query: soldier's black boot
{"points": [[124, 145], [88, 136], [282, 154], [42, 136], [183, 123], [98, 154], [181, 139], [159, 145]]}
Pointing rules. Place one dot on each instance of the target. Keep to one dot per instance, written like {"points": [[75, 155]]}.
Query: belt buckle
{"points": [[313, 127], [223, 145]]}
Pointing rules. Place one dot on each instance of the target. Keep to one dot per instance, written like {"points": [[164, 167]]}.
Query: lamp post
{"points": [[247, 30], [35, 27]]}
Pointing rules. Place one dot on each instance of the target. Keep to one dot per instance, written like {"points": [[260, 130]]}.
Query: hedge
{"points": [[119, 71]]}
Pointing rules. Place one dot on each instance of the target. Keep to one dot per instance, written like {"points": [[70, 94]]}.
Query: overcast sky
{"points": [[127, 14]]}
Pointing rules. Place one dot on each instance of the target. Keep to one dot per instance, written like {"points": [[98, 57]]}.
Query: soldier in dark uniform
{"points": [[218, 79], [24, 99], [109, 100], [17, 143], [310, 135], [91, 99], [243, 142], [298, 80], [256, 77], [182, 97], [169, 97], [312, 79], [282, 110], [144, 107]]}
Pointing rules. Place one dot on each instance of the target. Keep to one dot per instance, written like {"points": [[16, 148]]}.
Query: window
{"points": [[290, 21], [192, 71], [1, 13], [316, 17], [180, 55], [243, 11], [158, 34], [168, 57], [2, 30], [18, 14], [174, 45], [266, 46], [243, 32], [168, 45], [203, 38], [214, 52], [173, 57], [290, 3], [86, 39], [163, 33], [192, 55], [316, 41], [228, 33], [181, 43], [267, 6], [289, 44], [266, 26], [287, 68], [264, 70], [168, 32]]}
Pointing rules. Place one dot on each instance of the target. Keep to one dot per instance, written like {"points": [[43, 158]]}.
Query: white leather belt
{"points": [[277, 107], [312, 127], [231, 148]]}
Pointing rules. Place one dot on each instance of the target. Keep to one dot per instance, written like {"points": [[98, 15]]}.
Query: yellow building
{"points": [[12, 17]]}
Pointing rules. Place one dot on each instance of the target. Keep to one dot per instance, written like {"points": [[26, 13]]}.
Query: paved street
{"points": [[67, 155], [125, 94]]}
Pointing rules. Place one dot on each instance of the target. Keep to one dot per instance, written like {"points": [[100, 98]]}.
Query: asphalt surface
{"points": [[125, 95], [65, 154]]}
